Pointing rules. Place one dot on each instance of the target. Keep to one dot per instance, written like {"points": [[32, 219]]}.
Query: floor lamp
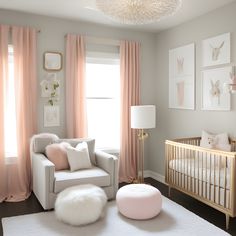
{"points": [[142, 117]]}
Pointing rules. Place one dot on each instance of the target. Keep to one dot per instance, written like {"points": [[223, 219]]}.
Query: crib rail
{"points": [[205, 174], [191, 141]]}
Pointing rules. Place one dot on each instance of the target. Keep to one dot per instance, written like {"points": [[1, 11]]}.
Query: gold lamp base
{"points": [[142, 117], [141, 136]]}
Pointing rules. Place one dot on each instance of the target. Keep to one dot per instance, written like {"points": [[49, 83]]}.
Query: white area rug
{"points": [[173, 220]]}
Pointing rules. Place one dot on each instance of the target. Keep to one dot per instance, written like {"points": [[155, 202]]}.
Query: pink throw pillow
{"points": [[57, 154]]}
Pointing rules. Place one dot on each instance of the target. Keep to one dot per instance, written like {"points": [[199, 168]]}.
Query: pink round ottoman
{"points": [[139, 201]]}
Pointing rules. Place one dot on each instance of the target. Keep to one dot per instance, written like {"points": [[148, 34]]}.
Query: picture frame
{"points": [[214, 96], [216, 50], [48, 85], [51, 116], [182, 77], [52, 61]]}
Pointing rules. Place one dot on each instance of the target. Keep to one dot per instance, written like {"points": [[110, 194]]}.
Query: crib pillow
{"points": [[215, 141]]}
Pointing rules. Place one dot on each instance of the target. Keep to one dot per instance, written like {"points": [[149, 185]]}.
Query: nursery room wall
{"points": [[51, 38], [171, 123], [177, 123]]}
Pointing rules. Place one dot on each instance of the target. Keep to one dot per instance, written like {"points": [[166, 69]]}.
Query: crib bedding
{"points": [[217, 176], [203, 189]]}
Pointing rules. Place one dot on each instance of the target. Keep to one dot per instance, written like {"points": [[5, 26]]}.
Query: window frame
{"points": [[110, 59]]}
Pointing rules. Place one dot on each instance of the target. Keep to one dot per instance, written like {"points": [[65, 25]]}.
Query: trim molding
{"points": [[154, 175]]}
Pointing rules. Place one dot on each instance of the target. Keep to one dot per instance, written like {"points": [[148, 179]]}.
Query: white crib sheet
{"points": [[192, 168]]}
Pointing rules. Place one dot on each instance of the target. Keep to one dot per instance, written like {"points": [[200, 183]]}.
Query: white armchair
{"points": [[47, 182]]}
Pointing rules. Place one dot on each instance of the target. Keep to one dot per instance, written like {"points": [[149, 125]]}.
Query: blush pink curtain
{"points": [[25, 79], [4, 31], [130, 96], [15, 177], [76, 118]]}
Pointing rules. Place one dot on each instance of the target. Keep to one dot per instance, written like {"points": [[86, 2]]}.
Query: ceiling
{"points": [[85, 10]]}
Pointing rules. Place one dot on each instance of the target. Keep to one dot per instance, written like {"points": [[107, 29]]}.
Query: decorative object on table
{"points": [[139, 201], [230, 86], [52, 61], [80, 205], [138, 12], [51, 116], [50, 88], [216, 50], [182, 77], [142, 117], [213, 96]]}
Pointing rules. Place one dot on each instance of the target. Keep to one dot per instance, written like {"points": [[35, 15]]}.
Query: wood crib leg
{"points": [[169, 188], [227, 218]]}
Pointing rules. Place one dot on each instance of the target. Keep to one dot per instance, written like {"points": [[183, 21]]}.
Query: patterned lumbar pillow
{"points": [[78, 157]]}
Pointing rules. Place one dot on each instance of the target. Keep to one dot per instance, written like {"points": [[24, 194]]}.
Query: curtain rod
{"points": [[104, 41], [38, 30]]}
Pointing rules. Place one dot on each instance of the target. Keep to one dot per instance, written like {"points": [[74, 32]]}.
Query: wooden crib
{"points": [[208, 175]]}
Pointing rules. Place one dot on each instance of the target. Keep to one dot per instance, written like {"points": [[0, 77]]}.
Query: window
{"points": [[10, 109], [103, 101]]}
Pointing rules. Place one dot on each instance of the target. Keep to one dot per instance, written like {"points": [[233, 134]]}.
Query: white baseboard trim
{"points": [[154, 175]]}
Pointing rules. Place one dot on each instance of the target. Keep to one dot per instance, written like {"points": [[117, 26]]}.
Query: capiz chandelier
{"points": [[138, 11]]}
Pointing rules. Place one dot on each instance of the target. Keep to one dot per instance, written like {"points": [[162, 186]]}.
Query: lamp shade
{"points": [[143, 117]]}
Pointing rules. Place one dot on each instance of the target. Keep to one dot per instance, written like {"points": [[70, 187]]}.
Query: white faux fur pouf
{"points": [[80, 205]]}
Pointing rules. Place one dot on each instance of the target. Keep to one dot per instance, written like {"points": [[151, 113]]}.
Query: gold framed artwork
{"points": [[52, 61]]}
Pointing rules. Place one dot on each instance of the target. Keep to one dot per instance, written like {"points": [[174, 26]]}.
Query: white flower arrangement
{"points": [[50, 88]]}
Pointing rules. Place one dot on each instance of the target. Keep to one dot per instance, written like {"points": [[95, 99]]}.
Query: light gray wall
{"points": [[171, 123], [51, 38], [174, 123]]}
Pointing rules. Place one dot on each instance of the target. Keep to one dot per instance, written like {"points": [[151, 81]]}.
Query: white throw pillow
{"points": [[215, 141], [78, 157], [212, 141]]}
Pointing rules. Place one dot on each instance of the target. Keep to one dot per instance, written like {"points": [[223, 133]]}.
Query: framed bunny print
{"points": [[216, 50], [214, 96], [182, 77]]}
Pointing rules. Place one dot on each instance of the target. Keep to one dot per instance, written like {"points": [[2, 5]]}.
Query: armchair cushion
{"points": [[74, 142], [94, 175]]}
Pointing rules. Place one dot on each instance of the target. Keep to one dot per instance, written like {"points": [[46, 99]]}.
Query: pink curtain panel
{"points": [[76, 118], [130, 96], [15, 179]]}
